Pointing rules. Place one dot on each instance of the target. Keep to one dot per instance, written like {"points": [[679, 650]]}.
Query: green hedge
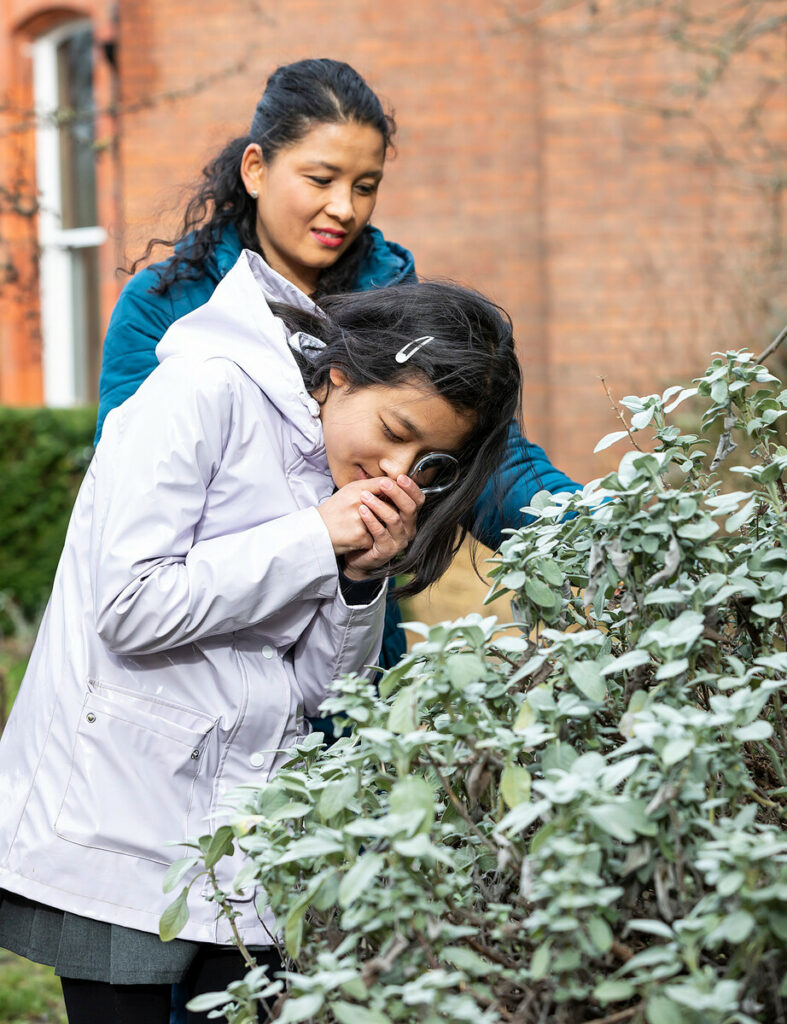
{"points": [[43, 457]]}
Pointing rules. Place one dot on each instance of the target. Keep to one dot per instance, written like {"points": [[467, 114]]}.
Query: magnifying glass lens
{"points": [[435, 472]]}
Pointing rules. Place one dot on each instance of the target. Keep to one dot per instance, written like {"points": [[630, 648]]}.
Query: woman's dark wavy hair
{"points": [[471, 362], [298, 97]]}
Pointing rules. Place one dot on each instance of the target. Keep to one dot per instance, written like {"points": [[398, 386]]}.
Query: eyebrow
{"points": [[408, 425], [338, 170]]}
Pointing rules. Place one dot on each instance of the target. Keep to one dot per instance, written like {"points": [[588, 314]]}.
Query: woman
{"points": [[299, 189]]}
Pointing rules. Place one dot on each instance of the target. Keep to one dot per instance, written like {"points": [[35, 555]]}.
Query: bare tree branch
{"points": [[64, 116], [780, 337]]}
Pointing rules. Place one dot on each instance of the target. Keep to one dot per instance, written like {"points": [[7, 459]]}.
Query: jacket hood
{"points": [[384, 263], [237, 323]]}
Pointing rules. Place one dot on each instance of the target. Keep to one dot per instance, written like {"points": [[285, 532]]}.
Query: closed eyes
{"points": [[389, 433]]}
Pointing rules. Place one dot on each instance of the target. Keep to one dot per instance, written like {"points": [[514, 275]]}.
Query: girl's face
{"points": [[314, 197], [383, 430]]}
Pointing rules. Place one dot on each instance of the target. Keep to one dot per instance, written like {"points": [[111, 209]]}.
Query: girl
{"points": [[299, 189], [225, 561]]}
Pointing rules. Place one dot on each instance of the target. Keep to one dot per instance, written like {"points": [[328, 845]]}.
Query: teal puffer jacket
{"points": [[141, 317]]}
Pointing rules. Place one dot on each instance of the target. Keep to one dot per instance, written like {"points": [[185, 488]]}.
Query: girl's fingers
{"points": [[411, 488], [397, 503], [372, 523], [405, 498], [390, 517], [384, 511], [384, 546], [399, 530]]}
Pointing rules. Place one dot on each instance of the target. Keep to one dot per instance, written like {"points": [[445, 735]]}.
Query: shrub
{"points": [[579, 821], [43, 457]]}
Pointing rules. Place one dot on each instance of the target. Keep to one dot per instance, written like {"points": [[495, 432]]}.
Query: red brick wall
{"points": [[614, 253], [656, 235]]}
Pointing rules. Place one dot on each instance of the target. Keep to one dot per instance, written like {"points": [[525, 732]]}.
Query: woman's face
{"points": [[315, 197]]}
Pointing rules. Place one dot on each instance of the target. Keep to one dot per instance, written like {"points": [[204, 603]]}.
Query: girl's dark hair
{"points": [[298, 97], [470, 361]]}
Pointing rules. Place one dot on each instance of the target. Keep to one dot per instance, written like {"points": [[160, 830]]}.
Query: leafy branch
{"points": [[583, 823]]}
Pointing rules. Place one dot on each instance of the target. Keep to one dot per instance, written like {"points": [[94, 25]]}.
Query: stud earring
{"points": [[254, 193]]}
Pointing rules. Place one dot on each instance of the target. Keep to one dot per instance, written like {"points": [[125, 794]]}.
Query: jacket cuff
{"points": [[358, 592]]}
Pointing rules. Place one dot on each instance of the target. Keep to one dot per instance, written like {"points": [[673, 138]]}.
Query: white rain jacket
{"points": [[195, 617]]}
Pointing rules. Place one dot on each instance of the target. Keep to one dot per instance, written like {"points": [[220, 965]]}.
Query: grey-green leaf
{"points": [[586, 676], [614, 819], [759, 730], [539, 593], [676, 750], [353, 1013], [174, 918], [336, 795], [403, 716], [613, 991], [220, 844], [360, 875], [176, 872], [609, 439]]}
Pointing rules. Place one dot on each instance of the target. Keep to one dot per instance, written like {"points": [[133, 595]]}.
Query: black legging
{"points": [[98, 1002]]}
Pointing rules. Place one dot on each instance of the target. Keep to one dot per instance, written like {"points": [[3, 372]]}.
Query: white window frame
{"points": [[64, 360]]}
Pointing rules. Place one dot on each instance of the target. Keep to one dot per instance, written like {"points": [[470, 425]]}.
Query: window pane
{"points": [[84, 312], [76, 106]]}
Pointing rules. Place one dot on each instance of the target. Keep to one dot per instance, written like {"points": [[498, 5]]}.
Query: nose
{"points": [[340, 204], [400, 463]]}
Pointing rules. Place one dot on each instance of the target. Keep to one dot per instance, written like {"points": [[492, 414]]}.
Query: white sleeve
{"points": [[154, 586], [340, 639]]}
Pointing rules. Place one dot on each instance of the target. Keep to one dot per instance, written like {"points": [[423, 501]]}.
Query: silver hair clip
{"points": [[412, 347]]}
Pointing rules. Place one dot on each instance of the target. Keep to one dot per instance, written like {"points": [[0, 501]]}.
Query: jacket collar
{"points": [[237, 323], [227, 251], [384, 264]]}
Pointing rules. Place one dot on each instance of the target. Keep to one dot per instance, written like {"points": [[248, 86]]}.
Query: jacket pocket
{"points": [[136, 760]]}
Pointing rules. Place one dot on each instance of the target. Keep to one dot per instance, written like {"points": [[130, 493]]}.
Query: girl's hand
{"points": [[371, 521], [390, 517]]}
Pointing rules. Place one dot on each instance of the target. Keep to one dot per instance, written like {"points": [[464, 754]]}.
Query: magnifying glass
{"points": [[435, 472]]}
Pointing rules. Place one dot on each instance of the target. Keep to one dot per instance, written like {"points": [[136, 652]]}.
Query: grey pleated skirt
{"points": [[78, 947]]}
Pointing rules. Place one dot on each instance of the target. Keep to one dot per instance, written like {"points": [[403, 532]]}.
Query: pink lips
{"points": [[333, 239]]}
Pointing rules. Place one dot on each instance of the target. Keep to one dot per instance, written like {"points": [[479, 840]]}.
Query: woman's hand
{"points": [[371, 521]]}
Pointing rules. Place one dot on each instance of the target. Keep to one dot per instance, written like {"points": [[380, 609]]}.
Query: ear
{"points": [[338, 379], [252, 168]]}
